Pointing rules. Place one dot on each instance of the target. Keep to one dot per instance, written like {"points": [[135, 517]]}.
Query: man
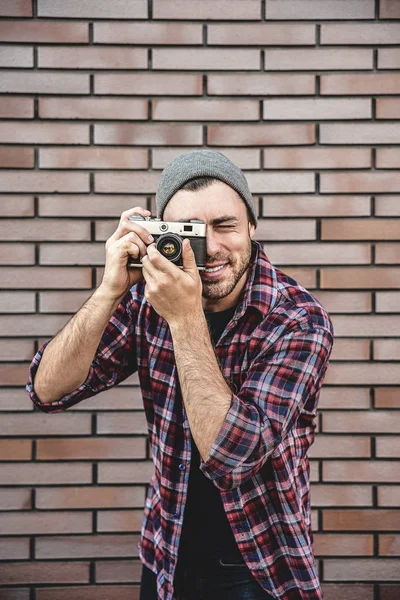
{"points": [[230, 362]]}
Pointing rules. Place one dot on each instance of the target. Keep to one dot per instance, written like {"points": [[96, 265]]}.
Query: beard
{"points": [[237, 266]]}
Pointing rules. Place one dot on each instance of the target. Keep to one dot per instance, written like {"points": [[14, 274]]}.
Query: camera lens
{"points": [[170, 246]]}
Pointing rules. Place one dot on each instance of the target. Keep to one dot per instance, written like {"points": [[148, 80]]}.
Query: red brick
{"points": [[244, 158], [88, 592], [341, 495], [16, 56], [44, 181], [46, 325], [332, 591], [45, 572], [72, 254], [389, 495], [388, 447], [389, 58], [205, 110], [365, 133], [125, 521], [318, 59], [387, 302], [29, 523], [361, 471], [374, 182], [370, 34], [328, 446], [43, 230], [389, 545], [305, 276], [326, 9], [285, 229], [11, 156], [44, 133], [210, 59], [114, 423], [16, 350], [207, 9], [379, 325], [367, 519], [93, 108], [389, 592], [260, 135], [90, 497], [62, 302], [14, 549], [310, 206], [127, 181], [343, 398], [364, 569], [16, 107], [318, 158], [388, 158], [15, 450], [277, 182], [153, 84], [387, 397], [86, 546], [15, 499], [382, 421], [363, 373], [149, 33], [318, 254], [13, 374], [360, 229], [261, 84], [36, 82], [339, 544], [45, 474], [90, 448], [88, 206], [45, 277], [17, 254], [104, 229], [118, 398], [149, 134], [17, 8], [38, 424], [349, 349], [387, 108], [125, 472], [360, 84], [93, 9], [93, 158], [92, 57], [389, 9], [387, 206], [261, 34], [14, 400], [43, 31], [387, 254], [316, 109], [343, 302], [121, 571], [17, 302], [16, 206]]}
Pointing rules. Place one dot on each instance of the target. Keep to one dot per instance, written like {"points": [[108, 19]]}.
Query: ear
{"points": [[252, 229]]}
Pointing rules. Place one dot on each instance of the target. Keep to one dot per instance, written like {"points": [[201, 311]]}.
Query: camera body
{"points": [[169, 235]]}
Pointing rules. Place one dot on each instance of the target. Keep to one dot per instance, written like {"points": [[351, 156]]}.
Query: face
{"points": [[229, 236]]}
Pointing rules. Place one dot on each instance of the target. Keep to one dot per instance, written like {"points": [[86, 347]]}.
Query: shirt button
{"points": [[182, 467]]}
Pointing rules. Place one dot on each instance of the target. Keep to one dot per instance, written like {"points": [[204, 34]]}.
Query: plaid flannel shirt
{"points": [[273, 355]]}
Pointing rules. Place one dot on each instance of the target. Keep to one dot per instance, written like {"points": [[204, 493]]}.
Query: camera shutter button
{"points": [[164, 227]]}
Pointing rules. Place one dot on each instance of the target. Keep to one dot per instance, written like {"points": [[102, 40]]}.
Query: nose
{"points": [[213, 245]]}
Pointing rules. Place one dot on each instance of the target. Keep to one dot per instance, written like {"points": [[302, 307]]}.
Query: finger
{"points": [[148, 268], [188, 258], [129, 245], [159, 261], [138, 210]]}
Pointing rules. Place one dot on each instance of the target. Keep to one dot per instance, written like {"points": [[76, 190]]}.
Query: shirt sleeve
{"points": [[114, 361], [278, 385]]}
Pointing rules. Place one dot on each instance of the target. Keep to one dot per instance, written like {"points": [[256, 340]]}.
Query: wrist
{"points": [[188, 324], [108, 300]]}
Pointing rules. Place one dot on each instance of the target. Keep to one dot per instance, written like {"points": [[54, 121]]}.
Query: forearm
{"points": [[67, 358], [206, 395]]}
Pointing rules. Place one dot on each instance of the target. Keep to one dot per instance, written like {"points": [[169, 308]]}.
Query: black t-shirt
{"points": [[206, 532]]}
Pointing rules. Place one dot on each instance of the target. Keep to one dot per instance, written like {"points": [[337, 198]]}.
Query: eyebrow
{"points": [[223, 219]]}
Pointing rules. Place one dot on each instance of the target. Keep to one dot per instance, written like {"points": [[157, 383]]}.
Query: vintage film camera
{"points": [[169, 235]]}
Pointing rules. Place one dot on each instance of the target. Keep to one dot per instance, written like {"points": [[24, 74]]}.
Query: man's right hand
{"points": [[130, 240]]}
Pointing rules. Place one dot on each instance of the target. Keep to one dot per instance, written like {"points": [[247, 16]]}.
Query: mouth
{"points": [[212, 272]]}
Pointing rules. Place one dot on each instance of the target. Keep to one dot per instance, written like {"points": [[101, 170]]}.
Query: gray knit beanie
{"points": [[201, 163]]}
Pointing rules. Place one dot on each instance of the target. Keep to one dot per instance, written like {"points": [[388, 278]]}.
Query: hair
{"points": [[199, 183]]}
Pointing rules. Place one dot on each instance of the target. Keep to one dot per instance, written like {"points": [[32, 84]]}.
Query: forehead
{"points": [[206, 204]]}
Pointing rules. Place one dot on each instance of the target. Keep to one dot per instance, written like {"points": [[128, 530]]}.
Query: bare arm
{"points": [[67, 358]]}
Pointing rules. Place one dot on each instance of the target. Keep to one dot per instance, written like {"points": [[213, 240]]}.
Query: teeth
{"points": [[213, 269]]}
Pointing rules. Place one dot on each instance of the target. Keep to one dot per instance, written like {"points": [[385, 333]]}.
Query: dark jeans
{"points": [[218, 582]]}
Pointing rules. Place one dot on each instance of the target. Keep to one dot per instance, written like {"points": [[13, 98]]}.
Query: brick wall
{"points": [[95, 98]]}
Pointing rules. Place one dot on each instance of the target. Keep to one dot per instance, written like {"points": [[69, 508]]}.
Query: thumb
{"points": [[188, 259]]}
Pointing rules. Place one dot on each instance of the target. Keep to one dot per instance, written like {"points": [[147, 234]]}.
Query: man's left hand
{"points": [[175, 293]]}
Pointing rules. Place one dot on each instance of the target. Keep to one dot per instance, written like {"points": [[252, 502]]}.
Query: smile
{"points": [[214, 269]]}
